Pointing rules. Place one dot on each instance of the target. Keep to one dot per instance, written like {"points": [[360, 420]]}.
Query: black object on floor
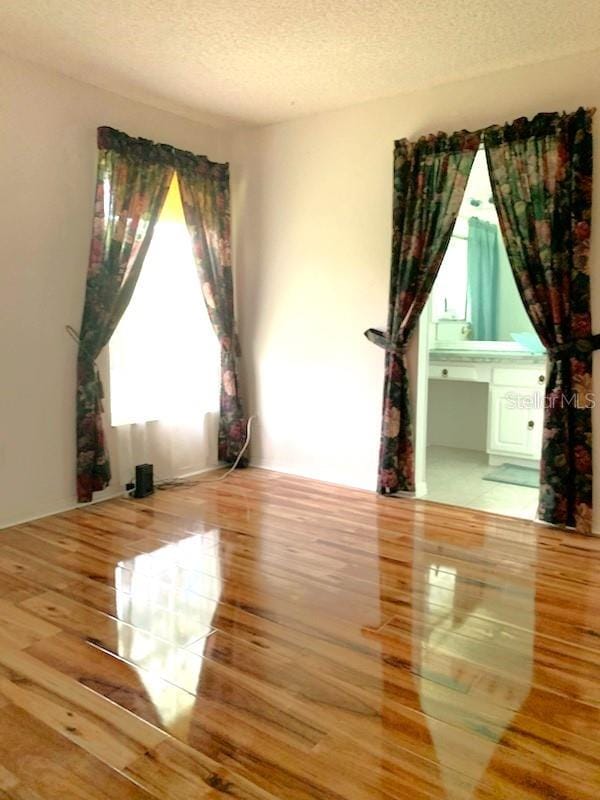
{"points": [[144, 480]]}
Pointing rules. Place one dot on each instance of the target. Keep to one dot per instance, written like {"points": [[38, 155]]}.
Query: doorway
{"points": [[481, 372]]}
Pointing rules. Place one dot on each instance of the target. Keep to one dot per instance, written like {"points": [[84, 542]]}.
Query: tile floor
{"points": [[456, 477]]}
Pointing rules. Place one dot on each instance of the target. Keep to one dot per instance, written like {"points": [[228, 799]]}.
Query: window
{"points": [[164, 354]]}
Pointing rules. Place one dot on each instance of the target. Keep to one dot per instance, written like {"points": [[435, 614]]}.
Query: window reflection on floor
{"points": [[166, 600]]}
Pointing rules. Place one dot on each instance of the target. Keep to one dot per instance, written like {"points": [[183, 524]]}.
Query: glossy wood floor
{"points": [[272, 637]]}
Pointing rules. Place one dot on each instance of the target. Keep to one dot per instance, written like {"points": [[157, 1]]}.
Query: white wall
{"points": [[47, 174], [312, 225], [313, 251]]}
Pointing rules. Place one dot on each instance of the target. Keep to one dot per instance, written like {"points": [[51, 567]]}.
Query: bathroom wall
{"points": [[512, 316], [457, 414]]}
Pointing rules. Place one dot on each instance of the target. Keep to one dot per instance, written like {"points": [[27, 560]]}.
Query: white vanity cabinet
{"points": [[514, 426], [515, 413]]}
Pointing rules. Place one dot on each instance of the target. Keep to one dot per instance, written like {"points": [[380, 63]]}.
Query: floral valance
{"points": [[544, 124], [457, 142], [149, 152]]}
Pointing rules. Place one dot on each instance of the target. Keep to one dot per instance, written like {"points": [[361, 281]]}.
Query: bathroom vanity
{"points": [[476, 336], [516, 383]]}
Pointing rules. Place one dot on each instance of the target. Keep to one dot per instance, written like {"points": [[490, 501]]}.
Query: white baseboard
{"points": [[104, 495], [421, 489], [313, 476], [191, 474], [61, 510]]}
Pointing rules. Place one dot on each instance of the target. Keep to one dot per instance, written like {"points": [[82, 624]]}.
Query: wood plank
{"points": [[158, 700], [35, 677], [149, 623], [53, 766], [272, 637], [181, 773]]}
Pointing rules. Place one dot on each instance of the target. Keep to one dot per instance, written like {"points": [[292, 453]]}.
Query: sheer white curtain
{"points": [[165, 362]]}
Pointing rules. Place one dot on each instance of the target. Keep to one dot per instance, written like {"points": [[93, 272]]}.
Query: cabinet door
{"points": [[515, 422]]}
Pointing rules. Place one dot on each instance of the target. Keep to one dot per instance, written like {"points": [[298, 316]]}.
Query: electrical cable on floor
{"points": [[170, 484]]}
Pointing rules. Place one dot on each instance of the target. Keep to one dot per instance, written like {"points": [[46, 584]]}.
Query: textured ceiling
{"points": [[260, 61]]}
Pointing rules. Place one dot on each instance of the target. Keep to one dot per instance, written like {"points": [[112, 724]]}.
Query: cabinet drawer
{"points": [[453, 373], [513, 376]]}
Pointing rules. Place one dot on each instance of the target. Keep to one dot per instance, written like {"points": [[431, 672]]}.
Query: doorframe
{"points": [[421, 401]]}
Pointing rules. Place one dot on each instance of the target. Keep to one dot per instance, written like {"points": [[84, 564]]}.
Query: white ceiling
{"points": [[260, 61]]}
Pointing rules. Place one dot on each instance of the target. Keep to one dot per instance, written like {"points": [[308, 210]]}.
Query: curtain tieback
{"points": [[381, 339], [565, 350]]}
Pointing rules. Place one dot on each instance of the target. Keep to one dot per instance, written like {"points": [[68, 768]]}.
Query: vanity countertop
{"points": [[488, 356]]}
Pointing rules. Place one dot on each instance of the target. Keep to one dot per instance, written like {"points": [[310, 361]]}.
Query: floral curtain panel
{"points": [[130, 192], [205, 197], [430, 177], [133, 179], [541, 173]]}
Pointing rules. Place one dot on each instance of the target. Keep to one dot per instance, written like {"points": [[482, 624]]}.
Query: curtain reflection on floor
{"points": [[472, 644], [463, 625]]}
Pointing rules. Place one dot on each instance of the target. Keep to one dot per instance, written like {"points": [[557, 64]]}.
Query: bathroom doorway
{"points": [[482, 372]]}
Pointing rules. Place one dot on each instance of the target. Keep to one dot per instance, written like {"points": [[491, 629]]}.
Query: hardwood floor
{"points": [[273, 637]]}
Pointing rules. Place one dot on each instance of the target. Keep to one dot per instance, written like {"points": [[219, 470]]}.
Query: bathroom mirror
{"points": [[475, 297]]}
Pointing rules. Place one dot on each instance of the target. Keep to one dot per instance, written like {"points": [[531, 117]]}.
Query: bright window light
{"points": [[164, 354], [450, 294]]}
